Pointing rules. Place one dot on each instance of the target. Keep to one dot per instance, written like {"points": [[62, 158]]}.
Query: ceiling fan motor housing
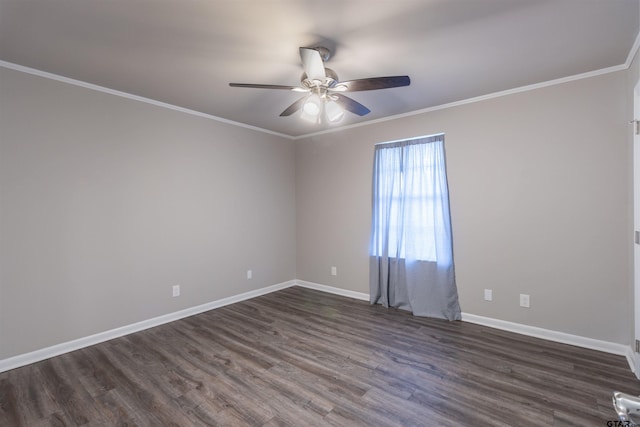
{"points": [[330, 80]]}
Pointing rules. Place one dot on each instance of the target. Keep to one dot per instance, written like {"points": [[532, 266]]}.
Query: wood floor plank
{"points": [[33, 403], [73, 400], [302, 357]]}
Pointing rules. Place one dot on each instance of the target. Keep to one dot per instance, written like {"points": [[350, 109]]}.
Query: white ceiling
{"points": [[185, 52]]}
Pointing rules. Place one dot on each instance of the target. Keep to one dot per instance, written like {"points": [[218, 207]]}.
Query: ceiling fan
{"points": [[324, 89]]}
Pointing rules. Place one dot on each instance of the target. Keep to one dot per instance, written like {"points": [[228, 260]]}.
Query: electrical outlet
{"points": [[334, 271], [488, 295], [524, 301], [249, 274], [176, 290]]}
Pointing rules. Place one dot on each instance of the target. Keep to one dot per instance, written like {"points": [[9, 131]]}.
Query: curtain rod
{"points": [[411, 138]]}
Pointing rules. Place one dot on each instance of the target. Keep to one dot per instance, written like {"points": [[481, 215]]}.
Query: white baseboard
{"points": [[58, 349], [631, 360], [561, 337], [532, 331], [332, 290], [547, 334]]}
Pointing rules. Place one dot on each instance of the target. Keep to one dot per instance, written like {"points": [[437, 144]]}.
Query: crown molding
{"points": [[494, 95], [91, 86], [632, 53]]}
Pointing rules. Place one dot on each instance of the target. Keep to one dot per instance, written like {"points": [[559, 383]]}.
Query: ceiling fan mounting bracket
{"points": [[325, 53]]}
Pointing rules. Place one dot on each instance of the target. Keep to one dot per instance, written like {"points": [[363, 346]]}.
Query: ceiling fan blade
{"points": [[293, 107], [350, 105], [372, 83], [312, 63], [260, 86]]}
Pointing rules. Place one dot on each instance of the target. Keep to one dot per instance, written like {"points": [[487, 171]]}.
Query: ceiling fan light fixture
{"points": [[333, 112], [312, 108]]}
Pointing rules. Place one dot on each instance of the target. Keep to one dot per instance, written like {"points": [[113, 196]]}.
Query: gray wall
{"points": [[105, 203], [540, 194]]}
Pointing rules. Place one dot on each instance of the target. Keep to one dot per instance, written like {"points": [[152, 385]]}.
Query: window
{"points": [[410, 200], [411, 252]]}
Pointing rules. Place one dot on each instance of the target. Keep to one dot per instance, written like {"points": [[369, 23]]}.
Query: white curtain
{"points": [[411, 251]]}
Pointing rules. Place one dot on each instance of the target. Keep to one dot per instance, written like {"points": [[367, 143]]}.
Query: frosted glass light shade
{"points": [[312, 106], [333, 111]]}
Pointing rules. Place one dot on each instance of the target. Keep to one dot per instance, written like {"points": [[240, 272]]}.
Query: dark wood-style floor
{"points": [[302, 358]]}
